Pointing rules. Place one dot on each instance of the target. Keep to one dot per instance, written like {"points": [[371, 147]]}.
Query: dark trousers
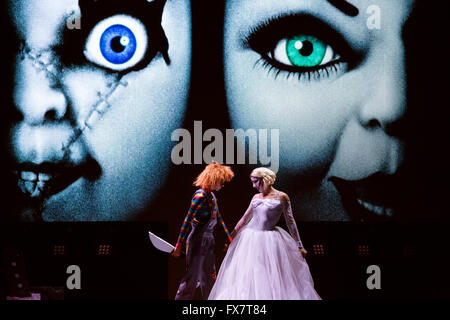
{"points": [[200, 266]]}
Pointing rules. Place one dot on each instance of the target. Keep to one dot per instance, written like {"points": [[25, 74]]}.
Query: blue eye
{"points": [[117, 43]]}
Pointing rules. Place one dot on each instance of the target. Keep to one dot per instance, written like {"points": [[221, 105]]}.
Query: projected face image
{"points": [[97, 87], [330, 75]]}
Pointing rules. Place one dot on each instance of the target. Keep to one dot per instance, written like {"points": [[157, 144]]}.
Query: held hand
{"points": [[303, 252], [176, 252]]}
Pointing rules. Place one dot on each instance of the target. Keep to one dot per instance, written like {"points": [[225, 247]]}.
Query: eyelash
{"points": [[72, 53], [264, 37], [316, 73]]}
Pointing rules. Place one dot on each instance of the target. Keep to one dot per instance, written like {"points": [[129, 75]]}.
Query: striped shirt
{"points": [[199, 211]]}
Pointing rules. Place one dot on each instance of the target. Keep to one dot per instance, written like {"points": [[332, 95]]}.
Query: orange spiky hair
{"points": [[213, 174]]}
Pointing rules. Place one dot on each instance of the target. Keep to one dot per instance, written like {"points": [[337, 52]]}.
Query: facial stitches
{"points": [[95, 101], [38, 185]]}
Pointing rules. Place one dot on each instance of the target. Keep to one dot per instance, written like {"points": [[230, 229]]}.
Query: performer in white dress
{"points": [[263, 261]]}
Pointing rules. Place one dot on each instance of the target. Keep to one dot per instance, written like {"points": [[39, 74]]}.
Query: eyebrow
{"points": [[346, 7]]}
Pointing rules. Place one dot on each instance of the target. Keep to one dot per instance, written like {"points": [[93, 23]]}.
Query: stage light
{"points": [[14, 273], [409, 250], [104, 250], [59, 250], [318, 249], [363, 250]]}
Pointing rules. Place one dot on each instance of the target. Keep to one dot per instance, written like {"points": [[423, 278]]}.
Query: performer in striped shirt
{"points": [[198, 226]]}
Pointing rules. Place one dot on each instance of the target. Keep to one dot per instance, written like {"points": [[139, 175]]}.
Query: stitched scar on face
{"points": [[99, 108], [46, 61], [43, 61]]}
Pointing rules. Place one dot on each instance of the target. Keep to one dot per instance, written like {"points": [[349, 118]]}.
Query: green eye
{"points": [[305, 51]]}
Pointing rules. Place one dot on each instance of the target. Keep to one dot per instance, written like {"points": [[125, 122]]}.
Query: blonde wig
{"points": [[266, 174]]}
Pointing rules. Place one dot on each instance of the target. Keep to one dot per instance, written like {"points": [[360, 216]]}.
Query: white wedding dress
{"points": [[263, 261]]}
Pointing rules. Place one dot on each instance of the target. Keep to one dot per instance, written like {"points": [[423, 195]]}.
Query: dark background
{"points": [[413, 260], [413, 254]]}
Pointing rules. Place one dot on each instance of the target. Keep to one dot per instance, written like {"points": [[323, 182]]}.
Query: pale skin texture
{"points": [[267, 192], [130, 142], [335, 126]]}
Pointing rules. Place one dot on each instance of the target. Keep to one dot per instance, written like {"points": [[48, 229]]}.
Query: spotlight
{"points": [[14, 273], [58, 250], [363, 250], [318, 249], [104, 250]]}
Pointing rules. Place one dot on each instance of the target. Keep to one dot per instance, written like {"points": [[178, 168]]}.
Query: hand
{"points": [[303, 252], [225, 247], [176, 252]]}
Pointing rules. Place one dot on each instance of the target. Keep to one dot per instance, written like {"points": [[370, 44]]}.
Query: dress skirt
{"points": [[264, 265]]}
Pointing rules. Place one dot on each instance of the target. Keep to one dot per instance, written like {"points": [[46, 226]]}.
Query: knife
{"points": [[160, 244]]}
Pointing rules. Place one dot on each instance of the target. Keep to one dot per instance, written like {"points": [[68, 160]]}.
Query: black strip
{"points": [[345, 7]]}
